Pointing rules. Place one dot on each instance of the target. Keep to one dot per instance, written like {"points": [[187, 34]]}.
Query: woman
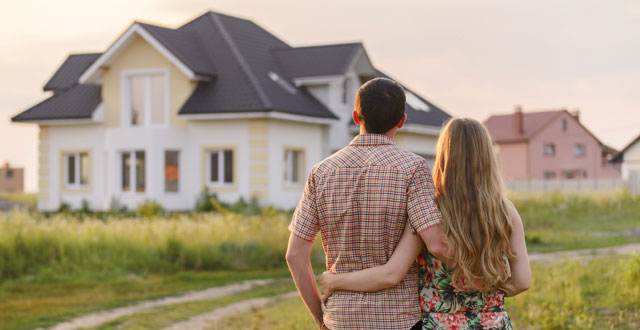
{"points": [[487, 255]]}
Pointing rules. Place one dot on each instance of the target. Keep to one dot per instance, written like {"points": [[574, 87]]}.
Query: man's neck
{"points": [[390, 134]]}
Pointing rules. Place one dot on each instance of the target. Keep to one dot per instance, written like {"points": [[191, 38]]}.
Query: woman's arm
{"points": [[520, 268], [379, 277]]}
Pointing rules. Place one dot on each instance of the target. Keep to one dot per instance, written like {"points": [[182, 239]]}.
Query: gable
{"points": [[180, 48], [139, 55]]}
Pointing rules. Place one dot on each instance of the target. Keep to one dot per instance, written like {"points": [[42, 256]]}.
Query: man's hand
{"points": [[325, 284], [298, 260]]}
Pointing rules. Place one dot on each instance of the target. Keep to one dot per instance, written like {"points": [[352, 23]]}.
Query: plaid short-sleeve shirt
{"points": [[359, 199]]}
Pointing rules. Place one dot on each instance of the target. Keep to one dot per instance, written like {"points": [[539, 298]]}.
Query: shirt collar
{"points": [[370, 140]]}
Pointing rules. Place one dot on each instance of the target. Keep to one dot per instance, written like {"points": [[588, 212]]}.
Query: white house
{"points": [[630, 159], [218, 103]]}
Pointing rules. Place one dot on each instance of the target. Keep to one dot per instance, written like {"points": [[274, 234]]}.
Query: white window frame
{"points": [[288, 166], [77, 164], [126, 96], [220, 182], [544, 149], [132, 172]]}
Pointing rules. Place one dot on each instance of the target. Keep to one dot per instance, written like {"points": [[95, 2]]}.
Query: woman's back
{"points": [[444, 306]]}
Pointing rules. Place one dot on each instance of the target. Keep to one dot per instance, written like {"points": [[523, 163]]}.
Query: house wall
{"points": [[423, 145], [631, 161], [564, 159], [512, 159], [59, 140], [310, 138], [211, 134], [43, 165], [141, 55]]}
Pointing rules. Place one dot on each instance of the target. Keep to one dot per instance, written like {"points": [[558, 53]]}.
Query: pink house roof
{"points": [[501, 127]]}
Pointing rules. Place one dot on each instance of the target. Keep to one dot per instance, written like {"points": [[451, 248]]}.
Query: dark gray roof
{"points": [[184, 45], [250, 70], [77, 102], [327, 60], [241, 52], [70, 70]]}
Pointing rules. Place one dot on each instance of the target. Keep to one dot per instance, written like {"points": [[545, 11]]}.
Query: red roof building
{"points": [[549, 145]]}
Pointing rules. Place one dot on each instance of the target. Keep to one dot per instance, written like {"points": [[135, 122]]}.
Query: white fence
{"points": [[570, 185]]}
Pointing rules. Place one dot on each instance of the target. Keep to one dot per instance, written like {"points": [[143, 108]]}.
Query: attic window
{"points": [[282, 82], [415, 102]]}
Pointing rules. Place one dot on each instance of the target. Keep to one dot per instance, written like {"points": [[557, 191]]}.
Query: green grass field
{"points": [[602, 293], [52, 267], [570, 221]]}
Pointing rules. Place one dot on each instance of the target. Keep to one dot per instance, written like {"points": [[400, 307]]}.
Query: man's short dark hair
{"points": [[380, 104]]}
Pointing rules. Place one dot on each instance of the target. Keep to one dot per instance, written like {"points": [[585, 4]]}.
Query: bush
{"points": [[149, 209]]}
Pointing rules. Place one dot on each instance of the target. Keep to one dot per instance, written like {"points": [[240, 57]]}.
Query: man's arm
{"points": [[424, 215], [298, 259]]}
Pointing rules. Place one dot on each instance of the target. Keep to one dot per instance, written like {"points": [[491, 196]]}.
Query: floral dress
{"points": [[444, 307]]}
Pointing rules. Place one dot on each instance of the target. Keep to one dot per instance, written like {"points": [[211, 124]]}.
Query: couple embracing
{"points": [[406, 250]]}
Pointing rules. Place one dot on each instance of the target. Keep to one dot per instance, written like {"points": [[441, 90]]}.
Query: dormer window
{"points": [[146, 97]]}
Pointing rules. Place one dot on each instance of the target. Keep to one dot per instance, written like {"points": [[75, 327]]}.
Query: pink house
{"points": [[549, 145]]}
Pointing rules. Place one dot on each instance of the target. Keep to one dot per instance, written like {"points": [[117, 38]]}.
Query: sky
{"points": [[471, 58]]}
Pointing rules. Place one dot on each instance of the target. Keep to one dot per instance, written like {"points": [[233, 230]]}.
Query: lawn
{"points": [[26, 305], [56, 266], [570, 221], [602, 293]]}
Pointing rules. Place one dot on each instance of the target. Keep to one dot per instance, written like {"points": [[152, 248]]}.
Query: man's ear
{"points": [[402, 121], [356, 120]]}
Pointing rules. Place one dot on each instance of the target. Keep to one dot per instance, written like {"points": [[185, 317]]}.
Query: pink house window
{"points": [[549, 149], [579, 150]]}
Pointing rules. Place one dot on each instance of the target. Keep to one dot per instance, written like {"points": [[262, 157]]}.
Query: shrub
{"points": [[148, 209]]}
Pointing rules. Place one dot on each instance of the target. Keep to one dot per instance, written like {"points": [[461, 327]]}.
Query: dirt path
{"points": [[585, 254], [98, 318], [208, 320]]}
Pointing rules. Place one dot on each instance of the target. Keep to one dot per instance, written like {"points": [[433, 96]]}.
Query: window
{"points": [[133, 171], [76, 170], [293, 166], [147, 99], [171, 170], [9, 173], [575, 174], [549, 149], [564, 125], [220, 167], [549, 175], [579, 150]]}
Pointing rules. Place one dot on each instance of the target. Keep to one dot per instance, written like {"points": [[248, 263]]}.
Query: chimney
{"points": [[576, 114], [517, 120]]}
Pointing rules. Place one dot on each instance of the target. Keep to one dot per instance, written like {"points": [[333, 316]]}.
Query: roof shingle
{"points": [[77, 102], [327, 60], [70, 70]]}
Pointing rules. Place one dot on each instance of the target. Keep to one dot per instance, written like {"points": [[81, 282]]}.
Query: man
{"points": [[360, 199]]}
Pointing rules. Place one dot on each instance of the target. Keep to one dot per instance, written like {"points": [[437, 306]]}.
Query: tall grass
{"points": [[565, 221], [46, 247], [602, 293]]}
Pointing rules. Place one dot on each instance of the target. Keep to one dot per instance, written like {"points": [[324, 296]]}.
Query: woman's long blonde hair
{"points": [[470, 195]]}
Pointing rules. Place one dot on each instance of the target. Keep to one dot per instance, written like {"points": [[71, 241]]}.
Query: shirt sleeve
{"points": [[421, 205], [304, 222]]}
